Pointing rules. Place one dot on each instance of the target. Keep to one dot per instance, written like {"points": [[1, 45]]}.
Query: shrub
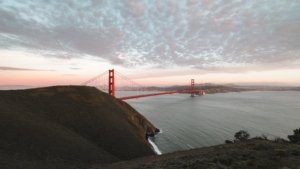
{"points": [[242, 135], [280, 140], [295, 138], [228, 142], [262, 137]]}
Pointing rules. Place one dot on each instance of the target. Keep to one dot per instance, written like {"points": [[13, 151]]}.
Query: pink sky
{"points": [[64, 72]]}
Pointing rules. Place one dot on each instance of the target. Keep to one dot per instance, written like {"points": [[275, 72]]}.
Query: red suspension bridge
{"points": [[107, 82]]}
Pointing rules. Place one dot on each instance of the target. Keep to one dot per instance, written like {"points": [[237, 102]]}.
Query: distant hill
{"points": [[216, 88], [15, 87], [209, 88], [68, 126]]}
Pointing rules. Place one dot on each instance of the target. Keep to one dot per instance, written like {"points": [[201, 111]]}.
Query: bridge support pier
{"points": [[111, 82], [192, 87]]}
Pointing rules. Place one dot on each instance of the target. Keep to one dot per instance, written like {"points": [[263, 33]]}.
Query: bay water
{"points": [[191, 122]]}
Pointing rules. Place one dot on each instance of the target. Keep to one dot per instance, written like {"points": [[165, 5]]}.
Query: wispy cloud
{"points": [[198, 34], [75, 68]]}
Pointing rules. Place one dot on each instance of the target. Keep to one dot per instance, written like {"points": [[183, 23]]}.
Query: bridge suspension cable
{"points": [[109, 76], [131, 82], [94, 78]]}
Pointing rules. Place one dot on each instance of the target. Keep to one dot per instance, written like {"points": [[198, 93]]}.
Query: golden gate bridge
{"points": [[106, 81]]}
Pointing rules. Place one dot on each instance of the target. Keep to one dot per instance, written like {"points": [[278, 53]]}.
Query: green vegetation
{"points": [[295, 138], [239, 136], [242, 135], [67, 126]]}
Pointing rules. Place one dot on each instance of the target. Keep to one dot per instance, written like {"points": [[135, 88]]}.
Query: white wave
{"points": [[155, 148], [190, 146]]}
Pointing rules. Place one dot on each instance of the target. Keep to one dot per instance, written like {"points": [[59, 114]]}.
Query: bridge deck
{"points": [[199, 92]]}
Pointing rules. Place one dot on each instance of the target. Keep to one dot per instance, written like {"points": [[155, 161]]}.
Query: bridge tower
{"points": [[111, 82], [192, 87]]}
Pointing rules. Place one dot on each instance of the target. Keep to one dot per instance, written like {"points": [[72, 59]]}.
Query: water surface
{"points": [[209, 120]]}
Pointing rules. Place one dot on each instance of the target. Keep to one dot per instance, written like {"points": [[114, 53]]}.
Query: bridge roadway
{"points": [[194, 92]]}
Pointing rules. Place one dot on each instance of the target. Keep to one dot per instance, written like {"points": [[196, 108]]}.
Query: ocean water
{"points": [[208, 120]]}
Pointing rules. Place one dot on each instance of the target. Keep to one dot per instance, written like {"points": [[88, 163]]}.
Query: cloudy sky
{"points": [[156, 42]]}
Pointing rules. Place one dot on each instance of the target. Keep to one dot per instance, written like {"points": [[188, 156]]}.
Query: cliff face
{"points": [[140, 122], [68, 125]]}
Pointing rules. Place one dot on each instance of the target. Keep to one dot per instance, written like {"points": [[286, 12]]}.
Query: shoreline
{"points": [[154, 147]]}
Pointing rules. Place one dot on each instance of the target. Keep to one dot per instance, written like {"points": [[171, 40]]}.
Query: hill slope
{"points": [[68, 126], [252, 154]]}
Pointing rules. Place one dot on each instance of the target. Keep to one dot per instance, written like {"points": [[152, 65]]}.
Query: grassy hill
{"points": [[68, 127], [251, 154]]}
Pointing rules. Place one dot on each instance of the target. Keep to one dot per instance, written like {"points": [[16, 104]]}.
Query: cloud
{"points": [[20, 69], [75, 68], [199, 34]]}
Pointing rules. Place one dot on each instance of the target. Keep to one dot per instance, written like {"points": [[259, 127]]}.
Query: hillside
{"points": [[251, 154], [67, 126]]}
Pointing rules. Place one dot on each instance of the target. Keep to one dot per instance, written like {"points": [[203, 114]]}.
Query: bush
{"points": [[295, 138], [228, 142], [262, 137], [242, 135], [280, 140]]}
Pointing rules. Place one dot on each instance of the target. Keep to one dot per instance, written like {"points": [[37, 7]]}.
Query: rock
{"points": [[149, 132]]}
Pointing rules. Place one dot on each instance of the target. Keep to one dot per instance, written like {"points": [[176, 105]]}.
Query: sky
{"points": [[154, 42]]}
